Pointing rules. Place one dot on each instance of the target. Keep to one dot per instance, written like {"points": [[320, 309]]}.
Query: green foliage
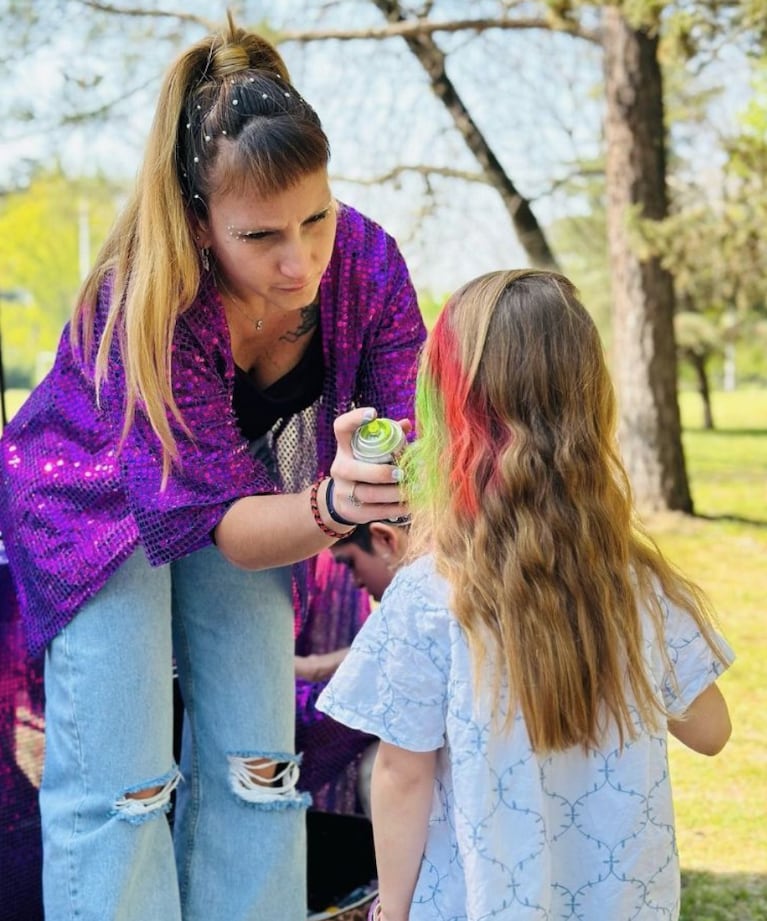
{"points": [[431, 305], [40, 260], [581, 245], [714, 242]]}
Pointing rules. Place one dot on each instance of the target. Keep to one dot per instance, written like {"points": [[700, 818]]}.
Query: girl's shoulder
{"points": [[419, 596], [420, 575]]}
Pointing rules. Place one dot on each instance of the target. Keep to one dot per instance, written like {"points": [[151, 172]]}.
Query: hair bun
{"points": [[229, 60]]}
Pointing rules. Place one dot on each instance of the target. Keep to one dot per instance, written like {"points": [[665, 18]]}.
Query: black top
{"points": [[257, 410]]}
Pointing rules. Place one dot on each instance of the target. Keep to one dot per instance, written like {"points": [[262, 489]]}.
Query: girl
{"points": [[523, 673]]}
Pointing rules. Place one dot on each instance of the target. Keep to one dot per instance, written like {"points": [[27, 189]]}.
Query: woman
{"points": [[238, 323]]}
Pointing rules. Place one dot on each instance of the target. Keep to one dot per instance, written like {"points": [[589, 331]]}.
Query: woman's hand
{"points": [[363, 491], [261, 531]]}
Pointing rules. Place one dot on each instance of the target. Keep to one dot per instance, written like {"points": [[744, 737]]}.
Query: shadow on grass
{"points": [[734, 519], [726, 433], [710, 896]]}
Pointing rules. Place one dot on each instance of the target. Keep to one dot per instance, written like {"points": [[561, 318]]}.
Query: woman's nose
{"points": [[296, 260]]}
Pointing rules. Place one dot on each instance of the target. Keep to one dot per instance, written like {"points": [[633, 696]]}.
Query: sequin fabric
{"points": [[21, 745], [330, 750], [73, 508]]}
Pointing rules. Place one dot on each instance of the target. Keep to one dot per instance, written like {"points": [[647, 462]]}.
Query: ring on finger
{"points": [[352, 498]]}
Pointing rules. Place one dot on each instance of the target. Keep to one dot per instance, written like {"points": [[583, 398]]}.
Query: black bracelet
{"points": [[339, 519], [315, 507]]}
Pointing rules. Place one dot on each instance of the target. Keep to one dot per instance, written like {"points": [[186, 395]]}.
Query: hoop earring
{"points": [[205, 258]]}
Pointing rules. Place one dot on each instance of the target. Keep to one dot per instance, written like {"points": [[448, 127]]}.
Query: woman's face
{"points": [[273, 251]]}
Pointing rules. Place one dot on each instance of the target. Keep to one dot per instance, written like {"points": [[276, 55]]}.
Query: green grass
{"points": [[721, 803]]}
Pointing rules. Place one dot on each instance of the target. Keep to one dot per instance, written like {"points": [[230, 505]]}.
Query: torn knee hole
{"points": [[144, 794], [263, 771], [141, 802], [262, 779]]}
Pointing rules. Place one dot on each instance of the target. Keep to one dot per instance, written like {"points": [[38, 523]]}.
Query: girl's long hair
{"points": [[518, 490], [227, 120]]}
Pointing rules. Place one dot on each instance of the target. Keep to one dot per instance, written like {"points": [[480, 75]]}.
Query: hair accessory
{"points": [[205, 256], [339, 519], [336, 535], [235, 102]]}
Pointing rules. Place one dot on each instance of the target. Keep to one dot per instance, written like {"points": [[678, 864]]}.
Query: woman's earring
{"points": [[205, 258]]}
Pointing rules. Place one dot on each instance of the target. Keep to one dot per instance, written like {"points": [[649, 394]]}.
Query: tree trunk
{"points": [[645, 366], [529, 232], [698, 363]]}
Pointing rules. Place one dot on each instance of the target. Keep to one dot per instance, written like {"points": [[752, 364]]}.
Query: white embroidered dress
{"points": [[515, 836]]}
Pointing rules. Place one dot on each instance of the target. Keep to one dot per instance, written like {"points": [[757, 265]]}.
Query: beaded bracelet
{"points": [[337, 535], [339, 519]]}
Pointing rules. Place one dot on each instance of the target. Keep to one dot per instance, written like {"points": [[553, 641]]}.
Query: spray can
{"points": [[380, 441]]}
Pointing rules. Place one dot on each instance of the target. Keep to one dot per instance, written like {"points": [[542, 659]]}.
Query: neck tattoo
{"points": [[310, 317]]}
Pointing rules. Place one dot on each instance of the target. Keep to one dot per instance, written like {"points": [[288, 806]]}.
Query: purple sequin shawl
{"points": [[73, 508]]}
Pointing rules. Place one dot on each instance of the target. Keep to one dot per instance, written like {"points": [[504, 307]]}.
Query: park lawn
{"points": [[721, 802]]}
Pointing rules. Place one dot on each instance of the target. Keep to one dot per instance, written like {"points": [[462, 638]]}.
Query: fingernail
{"points": [[398, 474], [369, 415]]}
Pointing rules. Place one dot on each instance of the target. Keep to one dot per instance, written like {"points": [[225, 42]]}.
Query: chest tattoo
{"points": [[308, 320]]}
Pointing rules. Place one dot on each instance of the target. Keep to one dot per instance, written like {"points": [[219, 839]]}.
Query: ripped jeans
{"points": [[239, 849]]}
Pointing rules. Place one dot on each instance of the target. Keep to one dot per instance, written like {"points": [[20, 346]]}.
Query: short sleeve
{"points": [[393, 683], [694, 665]]}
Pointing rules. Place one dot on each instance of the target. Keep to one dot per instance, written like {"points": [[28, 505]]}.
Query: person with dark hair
{"points": [[161, 487], [371, 554], [524, 671]]}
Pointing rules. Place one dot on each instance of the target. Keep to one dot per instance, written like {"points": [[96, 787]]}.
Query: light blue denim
{"points": [[109, 721]]}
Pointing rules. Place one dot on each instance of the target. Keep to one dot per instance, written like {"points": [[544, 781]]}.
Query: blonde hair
{"points": [[227, 118], [518, 490]]}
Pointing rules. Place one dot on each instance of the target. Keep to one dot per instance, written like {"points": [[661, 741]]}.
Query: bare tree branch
{"points": [[421, 170], [420, 28], [433, 60], [106, 107], [207, 24]]}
